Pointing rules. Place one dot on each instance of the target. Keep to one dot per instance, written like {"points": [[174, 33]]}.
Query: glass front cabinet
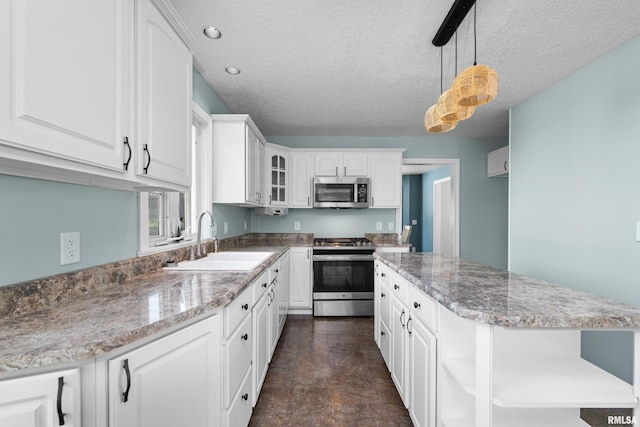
{"points": [[278, 171]]}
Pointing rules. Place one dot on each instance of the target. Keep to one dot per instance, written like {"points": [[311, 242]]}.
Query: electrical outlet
{"points": [[296, 225], [390, 226], [226, 227], [379, 226], [414, 222], [69, 248]]}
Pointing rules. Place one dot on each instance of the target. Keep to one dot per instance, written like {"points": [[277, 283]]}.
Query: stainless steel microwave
{"points": [[340, 192]]}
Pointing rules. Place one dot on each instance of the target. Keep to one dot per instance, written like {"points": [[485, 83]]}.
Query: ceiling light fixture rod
{"points": [[450, 24]]}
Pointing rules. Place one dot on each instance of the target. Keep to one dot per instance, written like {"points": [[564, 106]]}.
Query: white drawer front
{"points": [[239, 308], [399, 286], [260, 286], [237, 359], [423, 307], [239, 413]]}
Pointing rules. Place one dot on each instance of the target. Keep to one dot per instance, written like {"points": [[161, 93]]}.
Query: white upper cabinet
{"points": [[386, 179], [341, 164], [64, 82], [277, 176], [301, 177], [90, 91], [498, 162], [163, 99], [239, 161]]}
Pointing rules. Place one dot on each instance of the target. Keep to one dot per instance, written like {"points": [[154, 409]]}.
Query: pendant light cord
{"points": [[475, 40], [440, 70]]}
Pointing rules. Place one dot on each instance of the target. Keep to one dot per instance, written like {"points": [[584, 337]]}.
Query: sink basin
{"points": [[234, 261]]}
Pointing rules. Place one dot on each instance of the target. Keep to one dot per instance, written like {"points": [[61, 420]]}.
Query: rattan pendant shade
{"points": [[433, 123], [450, 111], [477, 85]]}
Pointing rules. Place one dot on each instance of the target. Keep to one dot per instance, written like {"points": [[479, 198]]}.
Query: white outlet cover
{"points": [[390, 225], [69, 248], [296, 225], [379, 226]]}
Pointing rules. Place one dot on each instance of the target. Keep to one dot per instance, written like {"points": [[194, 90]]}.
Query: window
{"points": [[168, 217]]}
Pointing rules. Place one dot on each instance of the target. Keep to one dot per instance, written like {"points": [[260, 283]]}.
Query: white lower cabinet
{"points": [[300, 297], [44, 400], [239, 412], [408, 343], [168, 382], [260, 342]]}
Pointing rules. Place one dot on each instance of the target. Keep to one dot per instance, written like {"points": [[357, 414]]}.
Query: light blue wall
{"points": [[575, 189], [206, 97], [34, 212], [483, 200], [427, 204], [327, 222]]}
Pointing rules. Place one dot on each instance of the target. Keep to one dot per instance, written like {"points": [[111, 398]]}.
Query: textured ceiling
{"points": [[368, 68]]}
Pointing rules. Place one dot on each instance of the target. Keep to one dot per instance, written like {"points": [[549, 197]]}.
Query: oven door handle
{"points": [[343, 257]]}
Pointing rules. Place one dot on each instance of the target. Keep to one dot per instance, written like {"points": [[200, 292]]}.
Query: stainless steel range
{"points": [[343, 277]]}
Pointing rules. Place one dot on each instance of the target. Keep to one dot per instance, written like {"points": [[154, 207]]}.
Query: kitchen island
{"points": [[486, 347]]}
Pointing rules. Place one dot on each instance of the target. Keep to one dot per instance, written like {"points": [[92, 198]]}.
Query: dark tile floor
{"points": [[328, 371]]}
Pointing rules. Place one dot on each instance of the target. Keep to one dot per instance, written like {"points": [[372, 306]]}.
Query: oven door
{"points": [[342, 276]]}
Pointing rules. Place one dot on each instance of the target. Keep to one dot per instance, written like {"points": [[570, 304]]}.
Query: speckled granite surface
{"points": [[494, 296], [84, 314]]}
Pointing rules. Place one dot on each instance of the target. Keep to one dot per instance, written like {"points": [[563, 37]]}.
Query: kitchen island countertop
{"points": [[490, 295]]}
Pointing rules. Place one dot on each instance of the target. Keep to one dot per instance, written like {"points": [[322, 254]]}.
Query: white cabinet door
{"points": [[277, 176], [33, 401], [301, 181], [301, 281], [163, 99], [355, 164], [283, 292], [170, 382], [64, 83], [341, 164], [498, 162], [251, 166], [399, 353], [273, 318], [327, 164], [386, 180], [261, 183], [237, 354], [260, 343], [421, 374]]}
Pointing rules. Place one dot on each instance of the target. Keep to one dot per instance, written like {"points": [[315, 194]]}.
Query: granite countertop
{"points": [[498, 297], [83, 326]]}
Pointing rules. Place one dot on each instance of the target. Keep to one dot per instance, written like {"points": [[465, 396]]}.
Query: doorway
{"points": [[425, 168], [442, 218]]}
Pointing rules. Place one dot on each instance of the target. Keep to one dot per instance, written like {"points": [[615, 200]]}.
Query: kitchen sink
{"points": [[236, 261]]}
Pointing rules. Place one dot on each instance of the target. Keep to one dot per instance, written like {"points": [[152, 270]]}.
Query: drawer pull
{"points": [[245, 396], [264, 285], [245, 306], [408, 321], [401, 316], [396, 287], [146, 150], [382, 333], [126, 164], [416, 304], [125, 395], [59, 401], [382, 295], [245, 337], [383, 275]]}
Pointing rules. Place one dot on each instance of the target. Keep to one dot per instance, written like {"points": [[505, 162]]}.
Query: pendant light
{"points": [[432, 121], [447, 107], [478, 84]]}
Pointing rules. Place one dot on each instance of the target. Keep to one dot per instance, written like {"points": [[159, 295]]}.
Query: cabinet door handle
{"points": [[307, 253], [245, 306], [308, 201], [126, 164], [146, 150], [125, 395], [245, 337], [408, 330], [372, 201], [416, 304], [270, 199], [59, 401], [401, 316], [336, 171], [505, 165], [345, 171], [245, 396]]}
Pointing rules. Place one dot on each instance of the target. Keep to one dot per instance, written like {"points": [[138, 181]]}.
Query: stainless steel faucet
{"points": [[199, 252]]}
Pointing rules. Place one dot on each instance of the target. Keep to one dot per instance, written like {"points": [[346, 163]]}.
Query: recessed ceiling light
{"points": [[211, 32], [232, 70]]}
